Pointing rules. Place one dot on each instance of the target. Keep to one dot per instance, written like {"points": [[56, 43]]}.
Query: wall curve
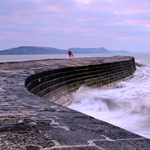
{"points": [[55, 85], [28, 121]]}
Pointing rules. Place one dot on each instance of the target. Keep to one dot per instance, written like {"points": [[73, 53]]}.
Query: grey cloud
{"points": [[59, 21]]}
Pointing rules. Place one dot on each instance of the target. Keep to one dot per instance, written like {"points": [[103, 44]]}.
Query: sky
{"points": [[113, 24]]}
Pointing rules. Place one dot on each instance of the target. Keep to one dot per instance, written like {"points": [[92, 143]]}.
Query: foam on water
{"points": [[126, 104]]}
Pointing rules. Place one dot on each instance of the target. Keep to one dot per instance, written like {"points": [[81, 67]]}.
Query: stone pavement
{"points": [[28, 122]]}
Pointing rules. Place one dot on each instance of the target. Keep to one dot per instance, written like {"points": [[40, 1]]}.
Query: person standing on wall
{"points": [[70, 54]]}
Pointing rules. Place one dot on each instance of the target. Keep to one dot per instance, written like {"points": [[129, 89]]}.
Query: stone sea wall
{"points": [[55, 85], [28, 121]]}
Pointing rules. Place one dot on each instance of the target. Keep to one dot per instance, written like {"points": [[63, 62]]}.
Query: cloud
{"points": [[59, 21], [84, 1]]}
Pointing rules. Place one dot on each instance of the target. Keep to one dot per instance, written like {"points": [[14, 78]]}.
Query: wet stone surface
{"points": [[28, 122]]}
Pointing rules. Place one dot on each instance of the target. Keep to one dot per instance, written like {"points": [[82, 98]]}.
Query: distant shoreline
{"points": [[33, 50]]}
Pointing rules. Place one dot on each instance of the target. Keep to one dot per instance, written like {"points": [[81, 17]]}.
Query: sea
{"points": [[125, 104]]}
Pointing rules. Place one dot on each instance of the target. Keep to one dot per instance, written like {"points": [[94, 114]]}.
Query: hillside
{"points": [[31, 50], [100, 50]]}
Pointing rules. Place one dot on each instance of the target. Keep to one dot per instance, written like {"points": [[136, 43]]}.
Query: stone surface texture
{"points": [[29, 122]]}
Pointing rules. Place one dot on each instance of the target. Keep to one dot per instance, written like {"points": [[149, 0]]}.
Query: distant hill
{"points": [[23, 50], [99, 50], [33, 50]]}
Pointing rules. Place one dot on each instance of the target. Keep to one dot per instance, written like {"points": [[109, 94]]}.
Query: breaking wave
{"points": [[126, 104]]}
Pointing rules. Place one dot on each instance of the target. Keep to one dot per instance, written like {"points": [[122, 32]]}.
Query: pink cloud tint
{"points": [[51, 7], [65, 23]]}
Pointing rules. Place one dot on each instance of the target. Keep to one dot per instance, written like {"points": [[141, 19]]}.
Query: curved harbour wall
{"points": [[56, 85], [28, 121]]}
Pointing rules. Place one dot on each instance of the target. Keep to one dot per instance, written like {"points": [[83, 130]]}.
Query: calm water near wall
{"points": [[127, 104], [16, 58]]}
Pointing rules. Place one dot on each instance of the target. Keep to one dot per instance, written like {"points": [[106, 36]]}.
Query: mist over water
{"points": [[126, 104]]}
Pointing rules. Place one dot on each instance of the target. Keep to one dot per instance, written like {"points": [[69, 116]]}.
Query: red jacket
{"points": [[69, 53]]}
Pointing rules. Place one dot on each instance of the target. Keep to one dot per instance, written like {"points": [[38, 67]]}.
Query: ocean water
{"points": [[126, 104], [17, 58]]}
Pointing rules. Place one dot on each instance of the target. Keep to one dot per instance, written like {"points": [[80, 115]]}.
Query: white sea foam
{"points": [[126, 104]]}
